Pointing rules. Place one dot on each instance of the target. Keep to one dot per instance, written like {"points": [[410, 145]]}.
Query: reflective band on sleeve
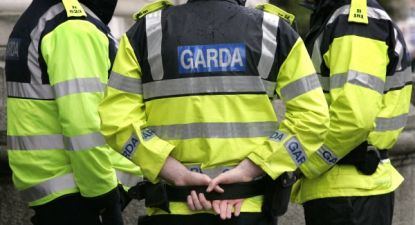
{"points": [[327, 155], [269, 44], [398, 80], [128, 179], [84, 142], [398, 49], [300, 86], [316, 56], [357, 78], [296, 151], [130, 146], [57, 184], [39, 142], [33, 50], [27, 90], [278, 136], [269, 87], [215, 130], [76, 86], [394, 123], [202, 85], [211, 172], [154, 38], [373, 13], [126, 84]]}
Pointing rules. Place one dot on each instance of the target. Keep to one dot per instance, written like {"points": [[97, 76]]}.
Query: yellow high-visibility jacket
{"points": [[57, 65], [201, 94], [364, 69]]}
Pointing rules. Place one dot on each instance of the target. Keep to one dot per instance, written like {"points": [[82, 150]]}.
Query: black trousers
{"points": [[75, 210], [206, 219], [366, 210]]}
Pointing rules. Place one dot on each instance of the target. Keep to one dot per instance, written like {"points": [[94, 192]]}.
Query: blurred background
{"points": [[13, 211]]}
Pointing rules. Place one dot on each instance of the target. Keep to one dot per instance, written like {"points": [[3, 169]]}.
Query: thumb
{"points": [[214, 183], [199, 179]]}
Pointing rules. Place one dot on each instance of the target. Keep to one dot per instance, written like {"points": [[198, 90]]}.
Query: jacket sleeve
{"points": [[76, 55], [356, 87], [306, 117], [393, 115], [124, 118]]}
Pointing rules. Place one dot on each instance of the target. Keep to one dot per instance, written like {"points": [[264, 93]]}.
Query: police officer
{"points": [[364, 68], [58, 58], [189, 102]]}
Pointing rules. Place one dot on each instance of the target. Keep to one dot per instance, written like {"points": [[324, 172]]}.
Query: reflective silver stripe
{"points": [[57, 184], [269, 44], [126, 84], [398, 49], [316, 57], [39, 142], [84, 142], [199, 85], [357, 78], [55, 141], [394, 123], [269, 87], [324, 82], [76, 86], [211, 172], [33, 56], [295, 150], [300, 86], [327, 155], [128, 179], [399, 79], [373, 13], [215, 130], [27, 90], [154, 37]]}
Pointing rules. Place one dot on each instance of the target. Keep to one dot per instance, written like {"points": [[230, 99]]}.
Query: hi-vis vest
{"points": [[57, 63], [364, 68], [197, 87]]}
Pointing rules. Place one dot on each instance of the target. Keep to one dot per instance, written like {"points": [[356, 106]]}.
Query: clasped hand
{"points": [[175, 173]]}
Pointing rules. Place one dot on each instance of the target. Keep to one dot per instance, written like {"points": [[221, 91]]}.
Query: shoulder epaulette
{"points": [[358, 12], [269, 8], [152, 7], [73, 8]]}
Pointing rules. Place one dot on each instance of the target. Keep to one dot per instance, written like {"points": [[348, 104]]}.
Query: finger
{"points": [[238, 207], [205, 203], [190, 202], [223, 209], [196, 201], [214, 184], [216, 206], [229, 210]]}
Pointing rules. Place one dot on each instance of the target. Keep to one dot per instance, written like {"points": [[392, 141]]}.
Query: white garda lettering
{"points": [[225, 57], [329, 157], [277, 136], [237, 58], [186, 59], [147, 134], [200, 59], [212, 56], [296, 151], [130, 147]]}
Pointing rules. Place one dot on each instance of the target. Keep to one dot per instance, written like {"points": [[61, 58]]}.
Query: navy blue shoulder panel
{"points": [[17, 69]]}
